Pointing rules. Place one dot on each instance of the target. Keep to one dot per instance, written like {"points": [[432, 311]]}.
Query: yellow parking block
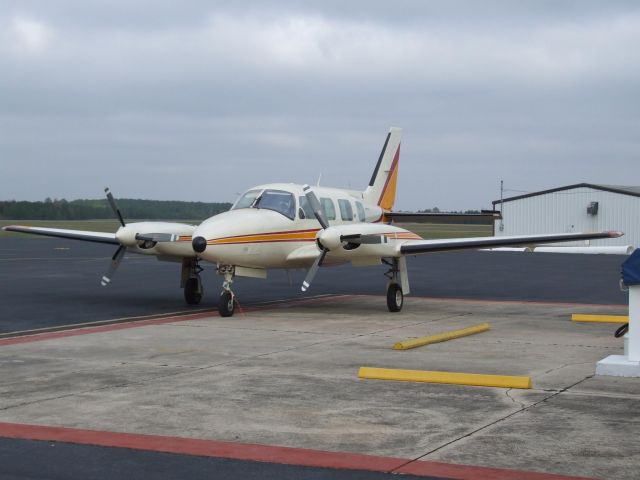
{"points": [[502, 381], [583, 317], [441, 337]]}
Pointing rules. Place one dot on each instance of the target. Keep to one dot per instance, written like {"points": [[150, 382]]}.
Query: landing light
{"points": [[199, 244]]}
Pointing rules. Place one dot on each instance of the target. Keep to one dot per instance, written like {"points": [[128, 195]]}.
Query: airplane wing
{"points": [[416, 216], [413, 247], [87, 236]]}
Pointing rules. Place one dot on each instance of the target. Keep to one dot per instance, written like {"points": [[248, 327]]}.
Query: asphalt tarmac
{"points": [[65, 461], [54, 282]]}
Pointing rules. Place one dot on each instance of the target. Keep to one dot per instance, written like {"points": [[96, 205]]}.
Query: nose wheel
{"points": [[227, 301]]}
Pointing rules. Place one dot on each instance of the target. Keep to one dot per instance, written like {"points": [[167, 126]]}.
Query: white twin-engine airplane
{"points": [[284, 225]]}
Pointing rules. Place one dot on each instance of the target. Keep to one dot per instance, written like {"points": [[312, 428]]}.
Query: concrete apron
{"points": [[288, 377]]}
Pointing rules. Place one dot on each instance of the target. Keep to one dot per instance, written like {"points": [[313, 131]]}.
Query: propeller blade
{"points": [[158, 237], [315, 206], [362, 239], [313, 270], [114, 207], [115, 262]]}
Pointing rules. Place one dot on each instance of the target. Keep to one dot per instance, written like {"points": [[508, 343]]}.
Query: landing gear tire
{"points": [[395, 298], [193, 291], [226, 304]]}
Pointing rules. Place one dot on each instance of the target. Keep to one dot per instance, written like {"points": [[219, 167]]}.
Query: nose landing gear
{"points": [[227, 302]]}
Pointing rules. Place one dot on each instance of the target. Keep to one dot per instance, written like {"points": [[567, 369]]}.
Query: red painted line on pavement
{"points": [[38, 337], [265, 453]]}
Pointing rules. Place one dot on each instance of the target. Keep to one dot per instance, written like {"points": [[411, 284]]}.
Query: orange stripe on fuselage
{"points": [[293, 236], [290, 236]]}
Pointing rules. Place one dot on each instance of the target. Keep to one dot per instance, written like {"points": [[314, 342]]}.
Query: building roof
{"points": [[624, 190]]}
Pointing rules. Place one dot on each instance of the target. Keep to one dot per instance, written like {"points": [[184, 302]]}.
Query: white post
{"points": [[627, 365], [634, 323]]}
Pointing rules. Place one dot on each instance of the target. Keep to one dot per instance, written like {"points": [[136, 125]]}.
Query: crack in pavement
{"points": [[495, 422]]}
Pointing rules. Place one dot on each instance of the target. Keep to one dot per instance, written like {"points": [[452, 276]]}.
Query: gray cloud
{"points": [[200, 101]]}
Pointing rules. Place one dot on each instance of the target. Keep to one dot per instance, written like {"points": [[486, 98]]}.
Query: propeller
{"points": [[313, 270], [115, 263], [148, 240], [314, 203], [119, 255], [114, 207], [315, 206]]}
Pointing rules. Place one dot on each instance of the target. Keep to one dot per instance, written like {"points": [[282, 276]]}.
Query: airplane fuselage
{"points": [[278, 234], [279, 230]]}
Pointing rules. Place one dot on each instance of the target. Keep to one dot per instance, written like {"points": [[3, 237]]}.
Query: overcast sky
{"points": [[199, 100]]}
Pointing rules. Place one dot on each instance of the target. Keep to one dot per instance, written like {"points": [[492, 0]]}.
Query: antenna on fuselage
{"points": [[319, 178]]}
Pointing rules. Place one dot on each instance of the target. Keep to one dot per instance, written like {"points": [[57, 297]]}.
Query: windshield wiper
{"points": [[255, 203]]}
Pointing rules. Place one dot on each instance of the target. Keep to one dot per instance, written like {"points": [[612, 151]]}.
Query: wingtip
{"points": [[615, 234]]}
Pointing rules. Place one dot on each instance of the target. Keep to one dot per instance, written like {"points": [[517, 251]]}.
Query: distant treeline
{"points": [[100, 209]]}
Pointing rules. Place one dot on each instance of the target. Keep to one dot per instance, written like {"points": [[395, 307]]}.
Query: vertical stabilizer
{"points": [[382, 187]]}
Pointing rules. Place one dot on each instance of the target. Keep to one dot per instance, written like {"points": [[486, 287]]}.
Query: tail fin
{"points": [[382, 187]]}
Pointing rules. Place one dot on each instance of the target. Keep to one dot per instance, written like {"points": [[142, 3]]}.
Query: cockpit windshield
{"points": [[246, 200], [276, 200]]}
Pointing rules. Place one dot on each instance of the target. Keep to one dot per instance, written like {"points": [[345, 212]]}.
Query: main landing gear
{"points": [[191, 281], [227, 302], [397, 270], [395, 297]]}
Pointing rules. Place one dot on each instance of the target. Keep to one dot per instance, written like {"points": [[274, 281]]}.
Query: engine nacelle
{"points": [[127, 235], [363, 240]]}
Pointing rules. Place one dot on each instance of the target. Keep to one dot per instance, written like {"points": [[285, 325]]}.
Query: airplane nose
{"points": [[199, 244]]}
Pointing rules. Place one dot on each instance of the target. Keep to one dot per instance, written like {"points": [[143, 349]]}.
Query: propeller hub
{"points": [[328, 239], [199, 244]]}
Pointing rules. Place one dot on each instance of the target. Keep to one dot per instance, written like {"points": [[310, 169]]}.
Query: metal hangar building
{"points": [[582, 207]]}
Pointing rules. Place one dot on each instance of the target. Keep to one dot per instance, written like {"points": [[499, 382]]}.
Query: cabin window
{"points": [[305, 208], [361, 215], [346, 211], [246, 200], [329, 208], [278, 201]]}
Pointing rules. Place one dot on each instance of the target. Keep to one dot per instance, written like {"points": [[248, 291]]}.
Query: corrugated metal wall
{"points": [[566, 211]]}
